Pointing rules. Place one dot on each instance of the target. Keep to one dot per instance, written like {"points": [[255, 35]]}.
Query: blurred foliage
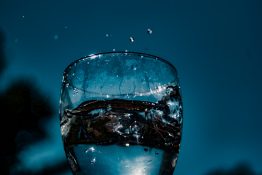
{"points": [[2, 53], [241, 169], [23, 110]]}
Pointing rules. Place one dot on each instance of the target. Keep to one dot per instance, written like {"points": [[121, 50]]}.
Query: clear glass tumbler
{"points": [[121, 114]]}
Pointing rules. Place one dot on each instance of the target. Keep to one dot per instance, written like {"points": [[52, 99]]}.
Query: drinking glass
{"points": [[121, 114]]}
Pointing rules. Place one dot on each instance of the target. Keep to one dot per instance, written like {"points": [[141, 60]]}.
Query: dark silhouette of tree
{"points": [[23, 111], [241, 169], [59, 168], [2, 53]]}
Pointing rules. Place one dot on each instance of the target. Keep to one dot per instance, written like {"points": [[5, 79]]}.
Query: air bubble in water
{"points": [[75, 91], [107, 35], [149, 31], [109, 108], [131, 39], [93, 160]]}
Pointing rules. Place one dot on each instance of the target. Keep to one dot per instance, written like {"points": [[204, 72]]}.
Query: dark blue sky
{"points": [[216, 47]]}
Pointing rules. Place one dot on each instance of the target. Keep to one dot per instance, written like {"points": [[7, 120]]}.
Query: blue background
{"points": [[216, 47]]}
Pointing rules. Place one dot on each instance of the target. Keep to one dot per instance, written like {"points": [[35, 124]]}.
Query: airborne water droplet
{"points": [[131, 39], [114, 50], [149, 31]]}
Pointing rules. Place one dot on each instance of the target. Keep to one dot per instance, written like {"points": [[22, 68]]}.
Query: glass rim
{"points": [[124, 53]]}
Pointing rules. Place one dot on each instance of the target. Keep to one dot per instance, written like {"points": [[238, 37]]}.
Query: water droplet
{"points": [[126, 50], [131, 39], [127, 144], [93, 160], [23, 16], [107, 96], [149, 31], [91, 149], [107, 35], [93, 56], [114, 50], [75, 91], [109, 108], [134, 68], [56, 37]]}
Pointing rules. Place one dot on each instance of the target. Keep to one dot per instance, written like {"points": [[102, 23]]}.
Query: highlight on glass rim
{"points": [[121, 113]]}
